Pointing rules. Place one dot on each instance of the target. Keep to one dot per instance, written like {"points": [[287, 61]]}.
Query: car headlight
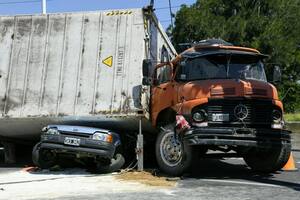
{"points": [[102, 137], [45, 129], [200, 116], [53, 131]]}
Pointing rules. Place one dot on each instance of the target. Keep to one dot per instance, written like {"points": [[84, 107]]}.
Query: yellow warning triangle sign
{"points": [[108, 61]]}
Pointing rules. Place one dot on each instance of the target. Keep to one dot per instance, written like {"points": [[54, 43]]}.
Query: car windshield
{"points": [[224, 67]]}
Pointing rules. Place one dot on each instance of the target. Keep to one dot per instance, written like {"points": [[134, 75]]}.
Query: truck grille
{"points": [[259, 111]]}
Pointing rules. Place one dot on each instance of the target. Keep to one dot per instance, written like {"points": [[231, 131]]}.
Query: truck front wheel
{"points": [[173, 156], [269, 160]]}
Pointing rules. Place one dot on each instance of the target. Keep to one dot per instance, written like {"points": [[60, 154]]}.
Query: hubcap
{"points": [[171, 149]]}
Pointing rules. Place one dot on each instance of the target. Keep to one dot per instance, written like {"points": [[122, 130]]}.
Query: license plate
{"points": [[72, 141], [216, 117]]}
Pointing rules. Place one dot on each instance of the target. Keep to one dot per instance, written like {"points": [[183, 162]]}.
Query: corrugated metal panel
{"points": [[52, 70], [51, 65]]}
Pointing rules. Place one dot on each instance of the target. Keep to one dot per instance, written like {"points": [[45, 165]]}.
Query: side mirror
{"points": [[147, 65], [277, 74]]}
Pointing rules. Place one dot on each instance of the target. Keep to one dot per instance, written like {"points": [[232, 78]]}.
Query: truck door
{"points": [[162, 90]]}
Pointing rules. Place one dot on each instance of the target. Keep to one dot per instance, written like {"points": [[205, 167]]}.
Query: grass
{"points": [[292, 117]]}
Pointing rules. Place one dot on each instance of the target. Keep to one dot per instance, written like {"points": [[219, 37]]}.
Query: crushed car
{"points": [[92, 146]]}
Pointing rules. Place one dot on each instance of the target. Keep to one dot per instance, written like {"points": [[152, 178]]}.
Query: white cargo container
{"points": [[76, 68]]}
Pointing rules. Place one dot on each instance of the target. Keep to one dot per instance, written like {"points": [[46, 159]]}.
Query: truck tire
{"points": [[116, 163], [41, 157], [268, 161], [173, 155]]}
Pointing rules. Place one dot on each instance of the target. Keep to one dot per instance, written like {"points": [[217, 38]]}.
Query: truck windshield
{"points": [[224, 67]]}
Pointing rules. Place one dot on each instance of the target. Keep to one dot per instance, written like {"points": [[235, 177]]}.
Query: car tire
{"points": [[116, 164], [41, 158], [173, 155], [268, 161]]}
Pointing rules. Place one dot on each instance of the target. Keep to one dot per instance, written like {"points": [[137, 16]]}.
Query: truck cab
{"points": [[222, 92]]}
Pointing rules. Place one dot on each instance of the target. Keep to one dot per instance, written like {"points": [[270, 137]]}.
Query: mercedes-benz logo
{"points": [[241, 112]]}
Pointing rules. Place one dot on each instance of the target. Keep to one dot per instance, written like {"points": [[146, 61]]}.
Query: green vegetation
{"points": [[295, 117], [271, 26]]}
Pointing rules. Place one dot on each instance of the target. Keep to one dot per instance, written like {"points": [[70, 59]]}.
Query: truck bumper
{"points": [[88, 147], [248, 137]]}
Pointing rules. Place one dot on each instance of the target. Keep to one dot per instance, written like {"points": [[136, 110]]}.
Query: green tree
{"points": [[271, 26]]}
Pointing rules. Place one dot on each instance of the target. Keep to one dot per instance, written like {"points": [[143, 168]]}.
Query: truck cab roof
{"points": [[214, 47]]}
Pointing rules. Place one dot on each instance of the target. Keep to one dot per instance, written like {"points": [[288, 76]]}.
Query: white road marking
{"points": [[233, 158], [168, 192], [241, 182]]}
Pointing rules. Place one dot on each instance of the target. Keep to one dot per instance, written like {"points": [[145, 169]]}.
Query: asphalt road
{"points": [[211, 179]]}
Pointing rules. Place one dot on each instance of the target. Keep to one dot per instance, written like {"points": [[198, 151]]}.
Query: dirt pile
{"points": [[146, 178]]}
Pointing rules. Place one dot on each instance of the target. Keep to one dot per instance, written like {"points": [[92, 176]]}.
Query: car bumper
{"points": [[87, 147], [237, 136]]}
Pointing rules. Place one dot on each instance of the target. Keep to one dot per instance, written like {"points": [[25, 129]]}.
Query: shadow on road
{"points": [[23, 157], [222, 170], [214, 169]]}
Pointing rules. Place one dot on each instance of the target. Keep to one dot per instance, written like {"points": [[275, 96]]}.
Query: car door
{"points": [[162, 90]]}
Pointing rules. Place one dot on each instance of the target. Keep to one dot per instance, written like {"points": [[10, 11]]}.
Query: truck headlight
{"points": [[200, 116], [53, 131], [276, 116], [102, 137], [277, 119]]}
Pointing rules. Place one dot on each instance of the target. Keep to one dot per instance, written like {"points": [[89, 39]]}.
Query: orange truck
{"points": [[223, 94]]}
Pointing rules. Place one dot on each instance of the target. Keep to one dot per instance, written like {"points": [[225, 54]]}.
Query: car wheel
{"points": [[116, 163], [43, 158], [173, 155]]}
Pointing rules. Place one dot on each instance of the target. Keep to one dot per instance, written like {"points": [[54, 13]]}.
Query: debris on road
{"points": [[146, 178], [29, 169]]}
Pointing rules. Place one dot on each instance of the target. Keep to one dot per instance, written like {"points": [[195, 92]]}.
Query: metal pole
{"points": [[140, 148], [44, 6], [171, 14], [152, 3]]}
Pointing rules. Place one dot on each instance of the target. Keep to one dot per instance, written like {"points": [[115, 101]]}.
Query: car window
{"points": [[164, 74]]}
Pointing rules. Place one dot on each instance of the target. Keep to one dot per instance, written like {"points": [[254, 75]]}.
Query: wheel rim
{"points": [[171, 150]]}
